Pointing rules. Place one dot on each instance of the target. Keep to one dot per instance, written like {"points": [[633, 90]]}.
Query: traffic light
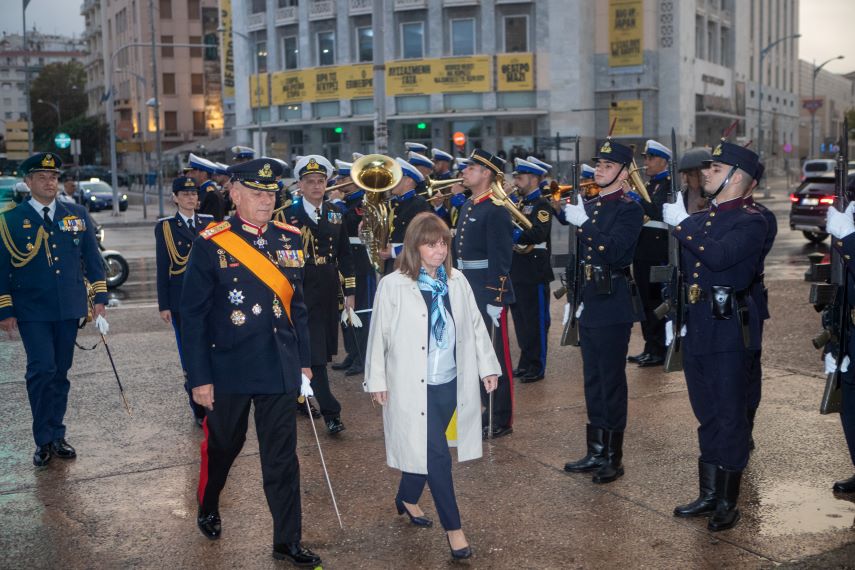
{"points": [[339, 130], [421, 126]]}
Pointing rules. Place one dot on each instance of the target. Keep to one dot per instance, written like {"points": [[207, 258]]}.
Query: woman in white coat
{"points": [[428, 348]]}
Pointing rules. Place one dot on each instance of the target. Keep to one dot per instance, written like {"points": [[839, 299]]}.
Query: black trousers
{"points": [[503, 396], [276, 426], [604, 367], [652, 328], [531, 324], [441, 403], [330, 407]]}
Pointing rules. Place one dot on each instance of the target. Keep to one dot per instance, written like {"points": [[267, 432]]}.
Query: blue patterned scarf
{"points": [[438, 316]]}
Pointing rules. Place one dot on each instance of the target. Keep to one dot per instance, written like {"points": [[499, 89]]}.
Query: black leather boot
{"points": [[344, 364], [705, 503], [845, 486], [594, 457], [751, 414], [612, 467], [726, 513]]}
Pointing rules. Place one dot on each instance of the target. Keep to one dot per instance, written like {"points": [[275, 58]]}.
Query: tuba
{"points": [[376, 174]]}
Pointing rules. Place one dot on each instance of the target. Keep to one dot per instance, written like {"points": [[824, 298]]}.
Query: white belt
{"points": [[656, 224], [355, 241], [472, 263], [541, 245]]}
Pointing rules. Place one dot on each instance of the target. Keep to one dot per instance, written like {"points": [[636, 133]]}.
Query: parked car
{"points": [[97, 195], [810, 202], [93, 171], [7, 192], [819, 167]]}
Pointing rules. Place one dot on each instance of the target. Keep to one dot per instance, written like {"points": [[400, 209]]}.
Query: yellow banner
{"points": [[462, 74], [413, 76], [630, 118], [227, 54], [357, 81], [515, 72], [322, 84], [258, 92], [625, 32], [289, 87]]}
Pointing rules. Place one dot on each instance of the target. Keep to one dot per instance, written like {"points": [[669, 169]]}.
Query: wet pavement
{"points": [[128, 499]]}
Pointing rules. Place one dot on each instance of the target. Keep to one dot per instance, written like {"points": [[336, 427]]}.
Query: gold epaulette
{"points": [[8, 206], [5, 301], [214, 229], [287, 227]]}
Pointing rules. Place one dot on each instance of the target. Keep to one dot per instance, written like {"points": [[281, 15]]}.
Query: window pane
{"points": [[167, 51], [261, 56], [326, 109], [170, 122], [291, 51], [412, 104], [365, 45], [195, 51], [197, 84], [362, 106], [463, 101], [326, 48], [516, 34], [193, 12], [412, 40], [463, 37], [199, 122], [169, 84], [259, 6], [291, 112], [165, 9]]}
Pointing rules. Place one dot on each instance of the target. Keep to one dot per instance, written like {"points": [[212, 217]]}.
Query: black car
{"points": [[97, 195], [810, 202], [92, 171]]}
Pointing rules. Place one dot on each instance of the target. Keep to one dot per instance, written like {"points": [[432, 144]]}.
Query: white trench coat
{"points": [[396, 362]]}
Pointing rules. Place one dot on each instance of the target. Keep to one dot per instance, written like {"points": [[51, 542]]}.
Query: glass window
{"points": [[412, 103], [261, 56], [196, 51], [463, 101], [463, 37], [412, 132], [364, 44], [326, 48], [362, 106], [165, 9], [197, 84], [290, 52], [516, 34], [199, 123], [193, 11], [412, 40], [291, 112], [516, 99], [167, 51], [259, 6], [169, 84], [326, 109], [170, 122]]}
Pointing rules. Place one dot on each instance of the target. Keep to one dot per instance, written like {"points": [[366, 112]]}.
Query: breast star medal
{"points": [[235, 297], [256, 309], [260, 242], [238, 318]]}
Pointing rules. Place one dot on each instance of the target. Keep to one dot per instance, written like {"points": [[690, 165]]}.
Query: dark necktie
{"points": [[48, 222], [190, 224]]}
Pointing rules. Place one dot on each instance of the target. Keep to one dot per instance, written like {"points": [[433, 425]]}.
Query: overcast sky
{"points": [[826, 26]]}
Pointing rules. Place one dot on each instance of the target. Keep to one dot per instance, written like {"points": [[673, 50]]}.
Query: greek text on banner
{"points": [[630, 118], [626, 29], [515, 72]]}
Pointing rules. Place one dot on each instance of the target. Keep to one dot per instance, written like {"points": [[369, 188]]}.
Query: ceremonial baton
{"points": [[116, 373], [490, 393], [323, 463]]}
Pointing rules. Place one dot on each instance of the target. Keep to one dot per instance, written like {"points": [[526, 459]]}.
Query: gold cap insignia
{"points": [[717, 151], [189, 182], [266, 172], [48, 162], [606, 148], [313, 165]]}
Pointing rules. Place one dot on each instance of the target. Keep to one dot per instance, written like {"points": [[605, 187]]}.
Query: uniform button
{"points": [[596, 212], [697, 264], [839, 244], [587, 257], [712, 214], [598, 204], [234, 279], [601, 248], [701, 248], [708, 224], [846, 256], [274, 329], [678, 228], [423, 380], [590, 238], [579, 231], [423, 413], [54, 246], [213, 346], [689, 238], [57, 271], [695, 275], [423, 348]]}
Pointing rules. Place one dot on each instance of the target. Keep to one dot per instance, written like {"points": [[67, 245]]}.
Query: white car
{"points": [[821, 168]]}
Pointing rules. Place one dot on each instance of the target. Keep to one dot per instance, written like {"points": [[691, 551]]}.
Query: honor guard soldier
{"points": [[608, 227], [242, 154], [245, 331], [49, 248], [652, 251], [327, 254], [221, 178], [173, 239], [406, 205], [483, 247], [210, 200], [531, 273], [761, 299], [720, 251]]}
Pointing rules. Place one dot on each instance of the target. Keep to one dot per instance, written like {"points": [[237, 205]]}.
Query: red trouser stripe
{"points": [[503, 324], [203, 470]]}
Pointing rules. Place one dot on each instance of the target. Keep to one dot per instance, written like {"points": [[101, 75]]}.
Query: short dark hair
{"points": [[425, 228]]}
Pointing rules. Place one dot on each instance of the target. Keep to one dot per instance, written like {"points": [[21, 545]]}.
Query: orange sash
{"points": [[259, 265]]}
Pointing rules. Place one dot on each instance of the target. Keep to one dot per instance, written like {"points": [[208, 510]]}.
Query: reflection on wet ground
{"points": [[800, 507]]}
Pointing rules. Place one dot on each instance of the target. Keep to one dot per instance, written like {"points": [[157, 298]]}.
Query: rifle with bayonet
{"points": [[572, 273], [673, 306]]}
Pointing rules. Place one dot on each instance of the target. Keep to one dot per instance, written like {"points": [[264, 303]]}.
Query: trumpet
{"points": [[439, 189], [558, 192]]}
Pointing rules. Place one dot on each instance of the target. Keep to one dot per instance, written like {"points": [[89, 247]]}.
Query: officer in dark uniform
{"points": [[442, 162], [531, 273], [173, 238], [327, 253], [459, 195], [406, 204], [211, 201], [652, 251], [48, 249], [241, 154], [608, 227], [245, 331], [483, 249], [720, 251]]}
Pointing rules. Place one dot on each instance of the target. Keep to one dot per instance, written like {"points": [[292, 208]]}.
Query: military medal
{"points": [[277, 308], [238, 318], [29, 247], [256, 309], [27, 225], [260, 242], [235, 298]]}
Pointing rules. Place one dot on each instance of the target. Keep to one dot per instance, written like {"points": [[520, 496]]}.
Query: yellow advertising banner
{"points": [[289, 87], [357, 81], [626, 32], [227, 54], [515, 72], [630, 118], [462, 74], [321, 84], [410, 77], [258, 92]]}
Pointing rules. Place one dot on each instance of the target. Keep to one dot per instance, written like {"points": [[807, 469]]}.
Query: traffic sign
{"points": [[788, 148], [62, 140], [459, 138], [812, 105]]}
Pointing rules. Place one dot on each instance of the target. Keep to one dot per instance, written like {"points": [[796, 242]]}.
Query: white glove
{"points": [[566, 316], [575, 213], [839, 224], [669, 333], [683, 331], [831, 363], [579, 310], [673, 214], [349, 315], [495, 312], [102, 325], [306, 387]]}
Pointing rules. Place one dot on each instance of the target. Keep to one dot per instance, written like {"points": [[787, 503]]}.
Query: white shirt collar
{"points": [[186, 219], [314, 213], [39, 207]]}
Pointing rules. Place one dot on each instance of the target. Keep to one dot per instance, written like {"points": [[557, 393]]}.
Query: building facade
{"points": [[834, 95]]}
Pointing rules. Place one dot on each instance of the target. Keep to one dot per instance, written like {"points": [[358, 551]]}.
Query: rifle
{"points": [[572, 273], [831, 297], [673, 306]]}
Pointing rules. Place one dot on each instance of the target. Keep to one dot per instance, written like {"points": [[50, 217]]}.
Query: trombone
{"points": [[439, 189]]}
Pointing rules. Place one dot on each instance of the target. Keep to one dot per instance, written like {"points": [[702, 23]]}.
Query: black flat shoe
{"points": [[460, 554], [531, 378], [296, 554], [344, 364], [651, 360], [210, 524], [637, 358], [314, 411], [354, 370], [61, 449], [335, 426], [497, 432], [519, 371], [42, 455], [417, 521], [845, 486]]}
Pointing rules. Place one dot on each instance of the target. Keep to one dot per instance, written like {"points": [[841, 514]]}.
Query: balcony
{"points": [[453, 3], [410, 5], [256, 22], [321, 10], [359, 7], [286, 15]]}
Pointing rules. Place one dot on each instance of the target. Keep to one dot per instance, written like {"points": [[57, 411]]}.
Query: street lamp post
{"points": [[813, 98], [257, 114], [27, 81], [55, 108], [143, 127]]}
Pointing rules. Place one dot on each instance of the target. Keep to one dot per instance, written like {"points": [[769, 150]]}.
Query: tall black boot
{"points": [[594, 457], [726, 513], [705, 503], [612, 468], [751, 414]]}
